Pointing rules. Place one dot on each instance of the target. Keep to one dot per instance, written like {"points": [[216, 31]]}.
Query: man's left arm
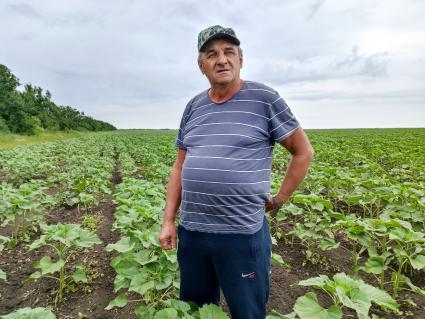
{"points": [[302, 155]]}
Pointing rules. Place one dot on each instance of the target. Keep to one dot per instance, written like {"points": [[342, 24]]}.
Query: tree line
{"points": [[33, 110]]}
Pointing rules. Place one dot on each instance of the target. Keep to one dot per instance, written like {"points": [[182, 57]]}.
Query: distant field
{"points": [[10, 140], [80, 218]]}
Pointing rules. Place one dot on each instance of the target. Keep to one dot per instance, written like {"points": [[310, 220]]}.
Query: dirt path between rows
{"points": [[89, 300], [284, 290]]}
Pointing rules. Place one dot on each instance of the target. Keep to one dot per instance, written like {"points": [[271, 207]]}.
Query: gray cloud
{"points": [[410, 96], [27, 36], [137, 59], [26, 10], [315, 7], [126, 87], [363, 65], [353, 65], [53, 20]]}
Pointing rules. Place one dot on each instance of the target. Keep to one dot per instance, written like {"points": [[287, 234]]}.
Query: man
{"points": [[221, 181]]}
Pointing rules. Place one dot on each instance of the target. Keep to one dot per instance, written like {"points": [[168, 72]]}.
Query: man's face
{"points": [[221, 62]]}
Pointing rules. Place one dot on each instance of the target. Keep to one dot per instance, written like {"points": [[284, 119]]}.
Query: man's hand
{"points": [[302, 154], [168, 236], [275, 203]]}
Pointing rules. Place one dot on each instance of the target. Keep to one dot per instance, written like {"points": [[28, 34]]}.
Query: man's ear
{"points": [[241, 59], [201, 67]]}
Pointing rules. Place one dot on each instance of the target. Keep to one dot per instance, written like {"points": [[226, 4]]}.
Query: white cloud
{"points": [[133, 63]]}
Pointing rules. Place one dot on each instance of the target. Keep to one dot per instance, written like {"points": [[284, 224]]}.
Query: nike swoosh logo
{"points": [[243, 275]]}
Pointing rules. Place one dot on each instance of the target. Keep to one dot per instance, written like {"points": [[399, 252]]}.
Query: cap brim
{"points": [[221, 36]]}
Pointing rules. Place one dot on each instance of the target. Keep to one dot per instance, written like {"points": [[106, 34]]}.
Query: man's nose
{"points": [[222, 58]]}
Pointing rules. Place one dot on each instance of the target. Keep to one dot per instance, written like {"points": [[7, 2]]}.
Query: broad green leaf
{"points": [[176, 283], [63, 233], [37, 243], [307, 307], [278, 260], [35, 275], [379, 297], [3, 275], [320, 281], [375, 265], [414, 288], [124, 264], [343, 280], [29, 313], [418, 262], [46, 265], [3, 240], [404, 223], [328, 244], [166, 313], [317, 206], [87, 239], [356, 299], [28, 205], [121, 282], [121, 246], [401, 253], [276, 315], [164, 282], [178, 305], [171, 255], [144, 312], [141, 283], [79, 275], [120, 301], [144, 257], [212, 312]]}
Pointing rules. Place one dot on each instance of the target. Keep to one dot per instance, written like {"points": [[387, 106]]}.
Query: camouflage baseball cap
{"points": [[216, 32]]}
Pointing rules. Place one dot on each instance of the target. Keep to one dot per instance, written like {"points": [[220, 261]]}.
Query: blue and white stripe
{"points": [[226, 173]]}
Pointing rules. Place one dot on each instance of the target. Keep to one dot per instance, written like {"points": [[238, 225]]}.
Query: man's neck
{"points": [[222, 93]]}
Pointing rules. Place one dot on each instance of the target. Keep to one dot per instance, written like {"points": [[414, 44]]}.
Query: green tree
{"points": [[32, 110]]}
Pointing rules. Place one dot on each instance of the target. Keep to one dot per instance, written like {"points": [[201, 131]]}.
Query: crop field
{"points": [[79, 220]]}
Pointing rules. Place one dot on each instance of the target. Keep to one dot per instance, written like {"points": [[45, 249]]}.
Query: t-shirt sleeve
{"points": [[181, 133], [282, 122]]}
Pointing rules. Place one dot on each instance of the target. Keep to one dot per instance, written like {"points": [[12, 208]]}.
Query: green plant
{"points": [[64, 239], [344, 291], [276, 315], [409, 249], [90, 221], [29, 313], [174, 309], [3, 240], [278, 260], [22, 206], [3, 275], [386, 240]]}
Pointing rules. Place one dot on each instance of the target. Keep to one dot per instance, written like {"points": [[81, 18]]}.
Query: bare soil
{"points": [[284, 290], [89, 300]]}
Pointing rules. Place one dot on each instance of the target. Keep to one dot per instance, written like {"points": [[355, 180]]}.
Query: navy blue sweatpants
{"points": [[239, 264]]}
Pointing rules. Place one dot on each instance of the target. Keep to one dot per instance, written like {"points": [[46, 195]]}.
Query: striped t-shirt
{"points": [[226, 172]]}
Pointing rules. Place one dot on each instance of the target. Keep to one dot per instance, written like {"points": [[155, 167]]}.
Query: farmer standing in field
{"points": [[221, 181]]}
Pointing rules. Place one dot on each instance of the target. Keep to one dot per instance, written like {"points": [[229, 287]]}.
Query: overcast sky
{"points": [[133, 63]]}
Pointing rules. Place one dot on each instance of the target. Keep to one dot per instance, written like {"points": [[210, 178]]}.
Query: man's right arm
{"points": [[168, 235]]}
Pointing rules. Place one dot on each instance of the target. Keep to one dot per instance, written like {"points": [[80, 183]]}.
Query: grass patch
{"points": [[90, 222], [8, 140]]}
